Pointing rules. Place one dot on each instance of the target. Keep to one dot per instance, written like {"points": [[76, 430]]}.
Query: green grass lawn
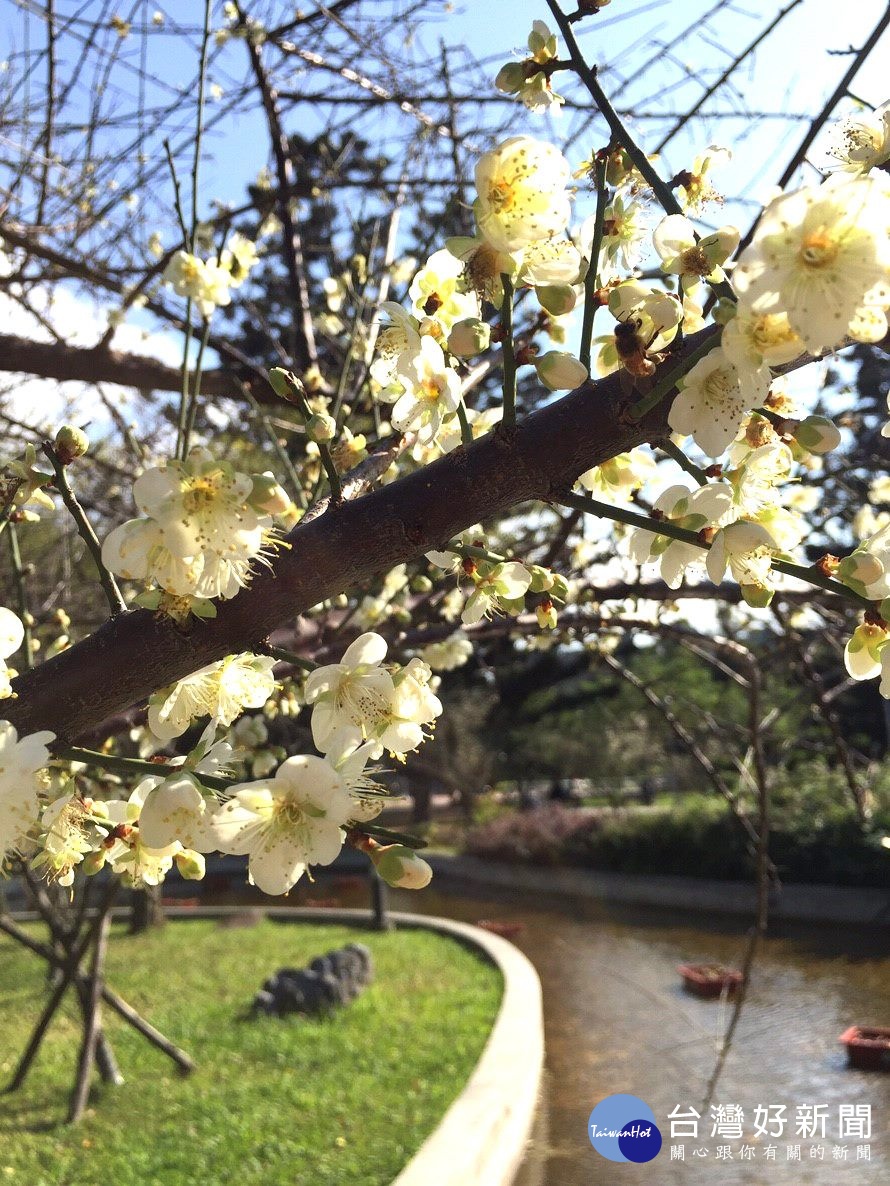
{"points": [[344, 1101]]}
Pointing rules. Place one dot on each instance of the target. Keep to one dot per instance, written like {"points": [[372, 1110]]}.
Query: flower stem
{"points": [[676, 454], [811, 575], [192, 399], [116, 603], [18, 574], [466, 432], [285, 656], [471, 552], [135, 766], [591, 279], [669, 381], [509, 354]]}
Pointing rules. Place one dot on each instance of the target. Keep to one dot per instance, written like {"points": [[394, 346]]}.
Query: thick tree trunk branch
{"points": [[136, 653]]}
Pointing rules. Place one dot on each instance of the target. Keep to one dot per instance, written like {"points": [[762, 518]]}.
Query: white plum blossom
{"points": [[532, 87], [400, 336], [684, 253], [356, 692], [694, 187], [66, 838], [747, 548], [706, 506], [438, 291], [522, 193], [21, 760], [862, 140], [200, 533], [178, 809], [450, 653], [357, 699], [206, 282], [286, 823], [711, 402], [494, 584], [625, 231], [754, 340], [550, 262], [238, 257], [432, 390], [864, 653], [484, 265], [414, 705], [221, 690], [621, 475], [350, 760], [822, 256]]}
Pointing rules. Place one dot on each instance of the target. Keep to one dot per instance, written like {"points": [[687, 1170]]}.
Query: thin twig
{"points": [[811, 575], [509, 353], [116, 602], [591, 280], [18, 576]]}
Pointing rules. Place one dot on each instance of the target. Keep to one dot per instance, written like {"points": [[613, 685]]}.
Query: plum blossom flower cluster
{"points": [[295, 814], [209, 282], [814, 276], [204, 526]]}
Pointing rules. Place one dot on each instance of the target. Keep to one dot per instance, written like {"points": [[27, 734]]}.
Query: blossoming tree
{"points": [[386, 489]]}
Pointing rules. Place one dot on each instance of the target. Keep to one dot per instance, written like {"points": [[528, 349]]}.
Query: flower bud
{"points": [[818, 434], [286, 385], [421, 584], [757, 596], [512, 605], [542, 579], [321, 428], [510, 78], [401, 867], [468, 337], [724, 311], [191, 864], [70, 443], [556, 299], [619, 166], [542, 44], [268, 496], [862, 568], [546, 615], [559, 589], [559, 371], [862, 654], [93, 862]]}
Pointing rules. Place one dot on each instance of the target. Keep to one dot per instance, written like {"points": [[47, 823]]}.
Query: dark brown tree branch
{"points": [[55, 360], [132, 656]]}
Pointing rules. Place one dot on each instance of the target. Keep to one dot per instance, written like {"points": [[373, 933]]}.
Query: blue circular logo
{"points": [[622, 1128]]}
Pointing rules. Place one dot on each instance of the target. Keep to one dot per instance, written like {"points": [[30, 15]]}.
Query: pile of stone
{"points": [[329, 981]]}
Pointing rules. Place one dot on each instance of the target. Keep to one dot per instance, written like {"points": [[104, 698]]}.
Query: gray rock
{"points": [[329, 982]]}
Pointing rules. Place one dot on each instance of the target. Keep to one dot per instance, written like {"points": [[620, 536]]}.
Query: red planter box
{"points": [[709, 980], [868, 1047], [507, 930]]}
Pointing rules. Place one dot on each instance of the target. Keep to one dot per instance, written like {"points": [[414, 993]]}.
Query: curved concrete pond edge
{"points": [[481, 1140], [795, 902]]}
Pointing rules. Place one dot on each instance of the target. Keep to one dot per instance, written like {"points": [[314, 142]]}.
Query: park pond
{"points": [[618, 1020]]}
